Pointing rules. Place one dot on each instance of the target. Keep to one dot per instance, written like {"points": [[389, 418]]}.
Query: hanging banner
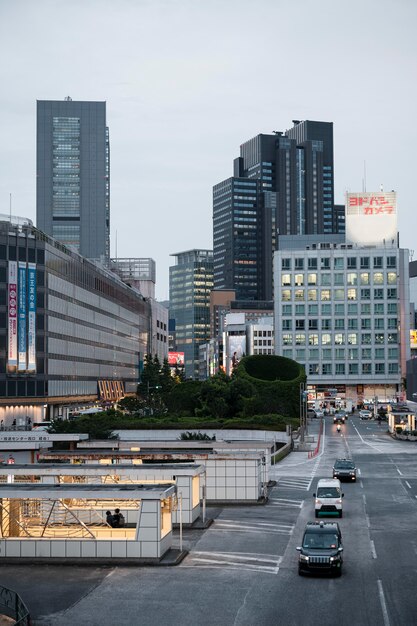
{"points": [[12, 322], [31, 317], [22, 319]]}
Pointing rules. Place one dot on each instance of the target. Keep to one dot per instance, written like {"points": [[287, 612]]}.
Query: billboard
{"points": [[176, 359], [12, 321], [22, 319], [236, 349], [413, 339], [31, 366], [371, 217]]}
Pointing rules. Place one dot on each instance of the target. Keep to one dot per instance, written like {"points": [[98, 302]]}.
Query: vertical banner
{"points": [[22, 320], [31, 317], [12, 322]]}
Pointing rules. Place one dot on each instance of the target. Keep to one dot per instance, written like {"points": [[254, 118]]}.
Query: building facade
{"points": [[73, 175], [282, 184], [342, 310], [71, 332], [190, 284]]}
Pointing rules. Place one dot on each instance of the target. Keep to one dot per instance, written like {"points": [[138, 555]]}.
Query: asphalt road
{"points": [[242, 571]]}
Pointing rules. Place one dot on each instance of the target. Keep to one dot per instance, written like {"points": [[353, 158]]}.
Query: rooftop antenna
{"points": [[381, 188]]}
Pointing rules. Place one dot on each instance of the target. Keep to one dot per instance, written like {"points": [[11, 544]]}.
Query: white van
{"points": [[328, 497]]}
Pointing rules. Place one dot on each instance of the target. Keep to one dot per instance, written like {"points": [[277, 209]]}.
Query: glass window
{"points": [[351, 262], [287, 309], [352, 339], [392, 323], [300, 339], [299, 280], [378, 294], [313, 368], [339, 353], [365, 323], [299, 324], [313, 353], [313, 309], [326, 309], [392, 308], [379, 338], [353, 368], [339, 263], [312, 295], [377, 262], [339, 339], [352, 309], [339, 279], [379, 323], [325, 263], [339, 324], [366, 338], [391, 261], [378, 278], [352, 294], [326, 279], [352, 324], [392, 278], [313, 340], [286, 295], [326, 324], [313, 324], [365, 308], [340, 368], [287, 339], [326, 339], [364, 278], [286, 280], [393, 353], [286, 324], [312, 279], [326, 353], [288, 353], [326, 369], [300, 354], [380, 353], [352, 354], [299, 294], [366, 353], [392, 338], [365, 294], [352, 278], [312, 264], [379, 308], [325, 294], [300, 309], [339, 294], [286, 264], [366, 368], [379, 368], [299, 264], [392, 293], [365, 262], [392, 368]]}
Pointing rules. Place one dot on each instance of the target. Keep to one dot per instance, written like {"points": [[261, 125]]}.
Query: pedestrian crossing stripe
{"points": [[267, 563], [251, 527], [285, 502]]}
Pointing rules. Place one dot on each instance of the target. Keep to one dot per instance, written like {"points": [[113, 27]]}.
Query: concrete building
{"points": [[72, 332], [73, 175], [190, 284], [342, 310]]}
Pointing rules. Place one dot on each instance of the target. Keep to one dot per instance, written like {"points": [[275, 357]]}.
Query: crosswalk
{"points": [[267, 563], [301, 483], [285, 502], [251, 526]]}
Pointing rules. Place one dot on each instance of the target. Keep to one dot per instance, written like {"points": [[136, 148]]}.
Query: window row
{"points": [[313, 295], [365, 308], [365, 263], [364, 323], [339, 339], [338, 278], [340, 354]]}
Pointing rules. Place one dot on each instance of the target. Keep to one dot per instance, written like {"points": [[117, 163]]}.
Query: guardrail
{"points": [[12, 605], [316, 450]]}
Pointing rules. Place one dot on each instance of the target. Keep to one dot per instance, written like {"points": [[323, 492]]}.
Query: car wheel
{"points": [[316, 513], [338, 572], [300, 571], [340, 513]]}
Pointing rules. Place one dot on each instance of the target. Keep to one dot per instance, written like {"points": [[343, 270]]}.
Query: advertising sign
{"points": [[236, 348], [22, 319], [176, 359], [12, 322], [371, 217], [413, 339], [31, 366]]}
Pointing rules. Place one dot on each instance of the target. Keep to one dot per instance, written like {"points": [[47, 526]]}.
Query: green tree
{"points": [[165, 377], [149, 380]]}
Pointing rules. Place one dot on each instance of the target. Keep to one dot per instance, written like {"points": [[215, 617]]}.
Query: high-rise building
{"points": [[73, 175], [282, 184], [190, 284]]}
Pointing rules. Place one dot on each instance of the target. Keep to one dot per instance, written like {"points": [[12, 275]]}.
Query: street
{"points": [[242, 570]]}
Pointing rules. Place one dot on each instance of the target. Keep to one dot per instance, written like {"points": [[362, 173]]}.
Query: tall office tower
{"points": [[190, 284], [282, 184], [73, 175]]}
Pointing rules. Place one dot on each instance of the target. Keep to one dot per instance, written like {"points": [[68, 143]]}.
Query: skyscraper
{"points": [[73, 175], [282, 184], [190, 284]]}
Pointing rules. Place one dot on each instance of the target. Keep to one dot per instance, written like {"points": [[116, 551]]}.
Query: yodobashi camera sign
{"points": [[371, 218]]}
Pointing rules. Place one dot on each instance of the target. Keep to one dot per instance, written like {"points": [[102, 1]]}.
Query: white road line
{"points": [[368, 523], [361, 484], [365, 442], [400, 473], [408, 484], [383, 603], [364, 499], [359, 471], [373, 550], [251, 524]]}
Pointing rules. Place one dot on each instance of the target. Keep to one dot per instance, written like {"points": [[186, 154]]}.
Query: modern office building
{"points": [[342, 310], [282, 183], [71, 332], [190, 284], [73, 175]]}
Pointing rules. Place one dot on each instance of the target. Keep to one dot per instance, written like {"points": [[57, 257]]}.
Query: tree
{"points": [[165, 378], [149, 380]]}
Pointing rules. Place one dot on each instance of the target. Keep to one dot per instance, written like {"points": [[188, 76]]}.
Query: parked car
{"points": [[321, 550], [344, 469], [364, 414]]}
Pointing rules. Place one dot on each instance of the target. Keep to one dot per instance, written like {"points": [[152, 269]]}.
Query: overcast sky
{"points": [[187, 81]]}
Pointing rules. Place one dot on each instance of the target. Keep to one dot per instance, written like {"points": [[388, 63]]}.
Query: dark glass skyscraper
{"points": [[73, 175], [282, 184]]}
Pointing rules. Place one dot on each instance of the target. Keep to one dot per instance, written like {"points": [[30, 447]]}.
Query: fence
{"points": [[316, 450], [12, 605]]}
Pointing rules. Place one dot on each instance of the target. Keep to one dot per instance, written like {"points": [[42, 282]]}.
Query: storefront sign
{"points": [[31, 317], [12, 324], [22, 319]]}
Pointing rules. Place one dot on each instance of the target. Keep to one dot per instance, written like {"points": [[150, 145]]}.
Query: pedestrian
{"points": [[109, 519], [2, 425], [29, 424], [14, 424], [119, 520]]}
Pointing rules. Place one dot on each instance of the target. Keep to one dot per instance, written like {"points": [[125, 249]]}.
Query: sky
{"points": [[188, 81]]}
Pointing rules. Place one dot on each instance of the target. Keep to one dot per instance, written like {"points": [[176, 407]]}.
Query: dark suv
{"points": [[321, 550], [339, 418], [344, 469]]}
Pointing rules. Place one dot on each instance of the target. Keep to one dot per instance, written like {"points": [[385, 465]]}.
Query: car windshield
{"points": [[320, 541], [344, 465], [328, 492]]}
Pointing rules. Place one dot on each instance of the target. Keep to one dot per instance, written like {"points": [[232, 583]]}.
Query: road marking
{"points": [[368, 523], [267, 563], [359, 471], [361, 484], [373, 550], [285, 502], [364, 499], [251, 527], [383, 603], [400, 473], [371, 445], [408, 484]]}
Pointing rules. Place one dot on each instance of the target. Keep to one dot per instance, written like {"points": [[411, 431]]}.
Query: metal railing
{"points": [[12, 605]]}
